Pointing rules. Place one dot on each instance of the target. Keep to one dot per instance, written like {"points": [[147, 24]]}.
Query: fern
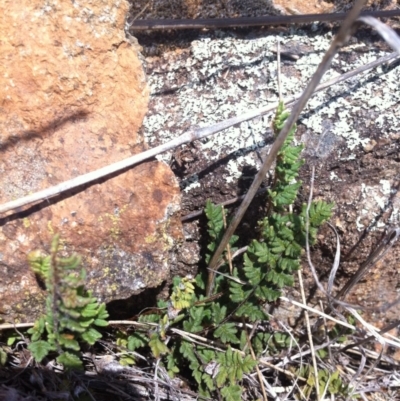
{"points": [[157, 345], [71, 310], [270, 262], [183, 293], [216, 229], [227, 333]]}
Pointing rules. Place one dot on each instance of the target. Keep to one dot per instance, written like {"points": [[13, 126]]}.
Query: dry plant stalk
{"points": [[218, 23], [187, 137]]}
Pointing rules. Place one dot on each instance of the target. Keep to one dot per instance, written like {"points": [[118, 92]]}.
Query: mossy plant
{"points": [[71, 311]]}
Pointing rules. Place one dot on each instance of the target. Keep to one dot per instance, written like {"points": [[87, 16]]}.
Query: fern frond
{"points": [[71, 310]]}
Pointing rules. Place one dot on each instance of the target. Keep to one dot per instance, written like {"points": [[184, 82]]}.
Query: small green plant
{"points": [[240, 295], [127, 345], [71, 310], [271, 260], [329, 383]]}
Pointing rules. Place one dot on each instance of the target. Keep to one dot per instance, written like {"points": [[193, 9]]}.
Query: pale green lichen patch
{"points": [[224, 76], [121, 277], [374, 200]]}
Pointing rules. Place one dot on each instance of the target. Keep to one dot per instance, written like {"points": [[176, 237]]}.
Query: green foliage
{"points": [[232, 367], [216, 229], [232, 393], [183, 293], [271, 260], [329, 383], [136, 340], [157, 345], [273, 343], [127, 344], [71, 310], [40, 349], [227, 333], [12, 338], [213, 370]]}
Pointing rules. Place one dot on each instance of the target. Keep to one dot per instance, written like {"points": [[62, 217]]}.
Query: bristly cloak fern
{"points": [[288, 163], [270, 262], [71, 310]]}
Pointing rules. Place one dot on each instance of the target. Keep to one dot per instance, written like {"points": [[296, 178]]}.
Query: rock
{"points": [[73, 98]]}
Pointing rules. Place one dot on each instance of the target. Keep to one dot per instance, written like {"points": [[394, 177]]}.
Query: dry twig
{"points": [[187, 137], [218, 23]]}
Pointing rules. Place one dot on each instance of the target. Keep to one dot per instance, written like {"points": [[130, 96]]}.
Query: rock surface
{"points": [[73, 96]]}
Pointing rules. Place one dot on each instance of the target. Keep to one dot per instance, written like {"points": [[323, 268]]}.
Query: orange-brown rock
{"points": [[303, 7], [73, 95]]}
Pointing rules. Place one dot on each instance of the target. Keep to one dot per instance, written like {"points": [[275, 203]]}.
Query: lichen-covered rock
{"points": [[354, 125], [73, 95]]}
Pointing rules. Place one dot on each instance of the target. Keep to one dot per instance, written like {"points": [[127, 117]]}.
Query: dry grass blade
{"points": [[376, 334], [9, 326], [228, 247], [303, 297], [386, 32], [311, 265], [318, 313], [253, 355], [310, 336], [335, 264]]}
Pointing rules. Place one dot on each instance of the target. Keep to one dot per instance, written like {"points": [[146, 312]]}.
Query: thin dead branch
{"points": [[187, 137], [218, 23]]}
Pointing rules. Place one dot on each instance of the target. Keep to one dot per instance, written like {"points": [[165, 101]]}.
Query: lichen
{"points": [[223, 76]]}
